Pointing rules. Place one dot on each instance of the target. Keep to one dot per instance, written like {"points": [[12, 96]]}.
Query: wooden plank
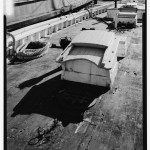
{"points": [[94, 59], [86, 78], [110, 55], [64, 53], [113, 73], [87, 137], [85, 50], [115, 139], [122, 48], [93, 130], [102, 133], [99, 71], [129, 130], [85, 66], [96, 38], [138, 139]]}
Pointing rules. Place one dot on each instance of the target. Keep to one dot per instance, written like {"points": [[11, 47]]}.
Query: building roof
{"points": [[94, 38]]}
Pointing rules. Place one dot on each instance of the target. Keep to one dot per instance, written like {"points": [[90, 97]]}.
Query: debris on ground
{"points": [[135, 73], [87, 29], [65, 41], [84, 125], [43, 134], [89, 121], [93, 103]]}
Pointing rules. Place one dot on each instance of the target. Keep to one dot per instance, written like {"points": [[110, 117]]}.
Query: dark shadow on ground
{"points": [[34, 81], [55, 46], [63, 100], [124, 28], [105, 20], [17, 61], [120, 58], [110, 23]]}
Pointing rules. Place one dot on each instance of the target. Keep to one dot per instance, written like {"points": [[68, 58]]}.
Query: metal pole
{"points": [[115, 3], [95, 1]]}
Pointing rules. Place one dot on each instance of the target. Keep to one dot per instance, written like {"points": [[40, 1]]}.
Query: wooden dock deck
{"points": [[35, 101]]}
